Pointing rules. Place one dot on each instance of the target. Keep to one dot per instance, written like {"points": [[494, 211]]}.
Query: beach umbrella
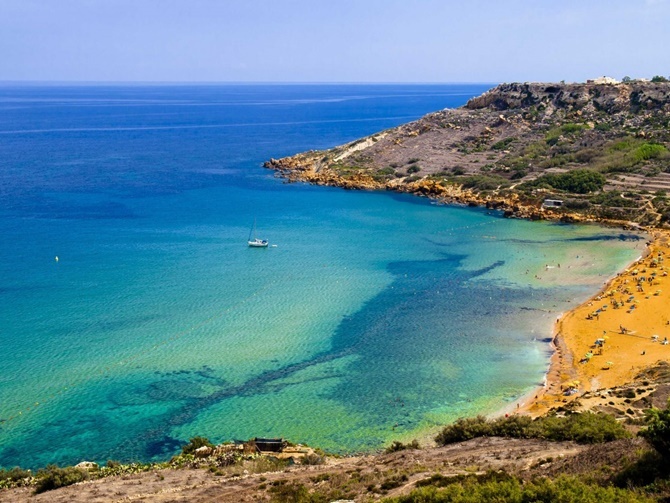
{"points": [[609, 364]]}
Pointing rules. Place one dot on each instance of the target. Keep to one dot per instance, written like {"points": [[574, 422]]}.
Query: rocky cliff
{"points": [[589, 98], [601, 149]]}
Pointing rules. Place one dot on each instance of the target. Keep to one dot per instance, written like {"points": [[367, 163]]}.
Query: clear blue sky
{"points": [[333, 40]]}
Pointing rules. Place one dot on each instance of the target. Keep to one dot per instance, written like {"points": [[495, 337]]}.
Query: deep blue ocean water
{"points": [[376, 316]]}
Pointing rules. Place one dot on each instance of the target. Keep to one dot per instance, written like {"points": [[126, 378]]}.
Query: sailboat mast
{"points": [[253, 230]]}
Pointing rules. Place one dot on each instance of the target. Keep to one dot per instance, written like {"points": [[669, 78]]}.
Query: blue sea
{"points": [[371, 317]]}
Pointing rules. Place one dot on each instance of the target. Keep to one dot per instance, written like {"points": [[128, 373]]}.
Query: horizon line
{"points": [[221, 83]]}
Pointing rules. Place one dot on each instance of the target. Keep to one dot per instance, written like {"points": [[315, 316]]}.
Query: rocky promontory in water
{"points": [[588, 151]]}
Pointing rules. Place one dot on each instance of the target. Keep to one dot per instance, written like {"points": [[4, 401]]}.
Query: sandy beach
{"points": [[609, 339]]}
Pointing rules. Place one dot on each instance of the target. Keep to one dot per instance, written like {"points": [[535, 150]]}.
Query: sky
{"points": [[332, 40]]}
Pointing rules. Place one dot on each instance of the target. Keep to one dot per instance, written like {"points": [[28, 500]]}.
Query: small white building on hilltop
{"points": [[603, 80]]}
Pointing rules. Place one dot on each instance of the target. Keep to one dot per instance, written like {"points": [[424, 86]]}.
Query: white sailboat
{"points": [[255, 242]]}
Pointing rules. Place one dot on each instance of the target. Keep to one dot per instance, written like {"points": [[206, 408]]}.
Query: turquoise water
{"points": [[376, 316]]}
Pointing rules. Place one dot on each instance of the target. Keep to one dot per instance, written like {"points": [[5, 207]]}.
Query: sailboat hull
{"points": [[258, 243]]}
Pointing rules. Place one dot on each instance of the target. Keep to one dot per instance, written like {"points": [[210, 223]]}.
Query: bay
{"points": [[374, 316]]}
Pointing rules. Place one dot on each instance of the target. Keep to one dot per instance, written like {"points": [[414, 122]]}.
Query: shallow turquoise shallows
{"points": [[370, 317]]}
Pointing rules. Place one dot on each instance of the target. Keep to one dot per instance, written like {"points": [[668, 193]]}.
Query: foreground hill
{"points": [[601, 458], [602, 149]]}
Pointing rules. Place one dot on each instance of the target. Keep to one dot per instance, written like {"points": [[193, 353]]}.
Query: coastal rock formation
{"points": [[590, 98], [600, 149]]}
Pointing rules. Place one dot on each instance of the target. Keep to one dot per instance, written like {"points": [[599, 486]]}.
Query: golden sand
{"points": [[627, 326]]}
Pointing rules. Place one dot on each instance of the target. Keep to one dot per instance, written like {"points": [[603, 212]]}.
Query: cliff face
{"points": [[517, 145], [609, 98]]}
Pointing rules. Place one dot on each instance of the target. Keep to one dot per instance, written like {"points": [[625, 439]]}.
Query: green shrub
{"points": [[572, 128], [393, 482], [483, 182], [659, 78], [502, 144], [464, 429], [413, 169], [645, 470], [586, 428], [293, 493], [551, 138], [513, 426], [14, 474], [399, 446], [622, 145], [613, 198], [14, 477], [577, 181], [513, 490], [648, 151], [587, 155], [438, 480], [657, 431], [53, 477], [288, 493], [576, 204], [196, 443]]}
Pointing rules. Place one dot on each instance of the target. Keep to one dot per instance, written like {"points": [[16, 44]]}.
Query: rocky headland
{"points": [[600, 149]]}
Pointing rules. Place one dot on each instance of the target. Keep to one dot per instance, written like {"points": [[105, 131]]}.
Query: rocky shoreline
{"points": [[296, 169], [600, 150]]}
